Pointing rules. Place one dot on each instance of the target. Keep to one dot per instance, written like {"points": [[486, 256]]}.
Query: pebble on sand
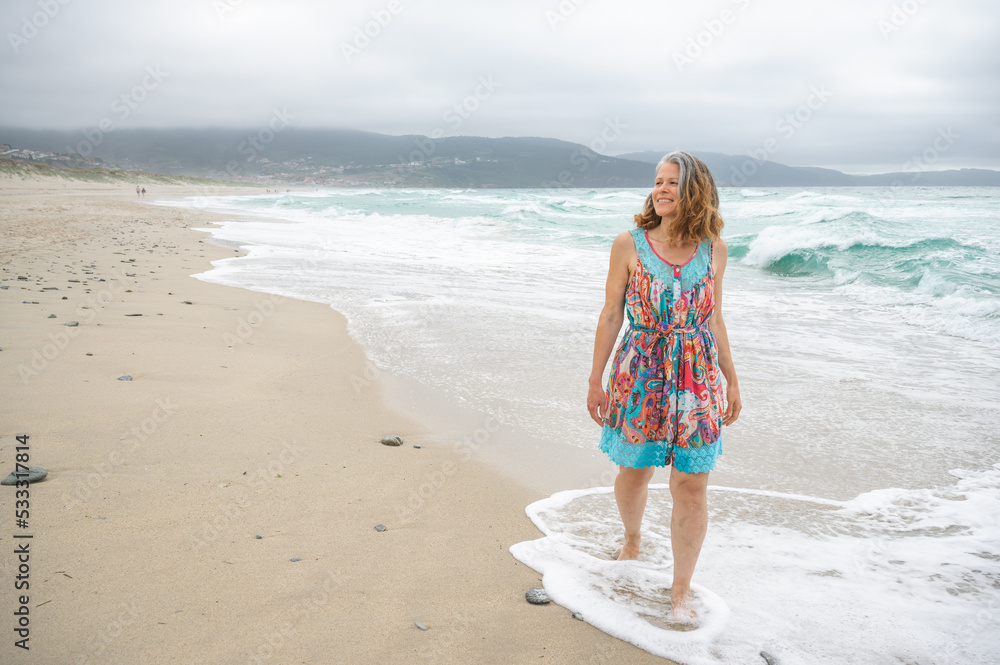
{"points": [[392, 441], [72, 324], [52, 316], [380, 528], [35, 473], [537, 596], [125, 377], [420, 625]]}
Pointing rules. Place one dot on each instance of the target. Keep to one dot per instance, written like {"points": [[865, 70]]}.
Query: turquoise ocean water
{"points": [[863, 478]]}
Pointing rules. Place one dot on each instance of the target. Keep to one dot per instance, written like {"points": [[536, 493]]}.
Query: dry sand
{"points": [[247, 415]]}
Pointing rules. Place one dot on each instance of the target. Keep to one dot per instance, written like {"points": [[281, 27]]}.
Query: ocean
{"points": [[855, 511]]}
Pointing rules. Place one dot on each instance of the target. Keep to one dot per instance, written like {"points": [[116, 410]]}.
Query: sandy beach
{"points": [[220, 506]]}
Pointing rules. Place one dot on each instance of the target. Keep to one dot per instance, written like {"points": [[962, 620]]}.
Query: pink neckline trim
{"points": [[646, 234]]}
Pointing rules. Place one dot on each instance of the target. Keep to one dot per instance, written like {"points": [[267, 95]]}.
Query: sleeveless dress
{"points": [[665, 395]]}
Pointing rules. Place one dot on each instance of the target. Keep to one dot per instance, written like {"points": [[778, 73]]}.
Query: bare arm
{"points": [[718, 327], [610, 321]]}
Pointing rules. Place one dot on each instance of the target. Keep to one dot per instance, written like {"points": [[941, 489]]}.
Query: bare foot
{"points": [[681, 607], [630, 550]]}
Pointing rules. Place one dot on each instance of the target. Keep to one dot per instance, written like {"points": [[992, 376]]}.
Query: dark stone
{"points": [[72, 324], [577, 616], [295, 559], [768, 658], [133, 315], [537, 596], [185, 302], [35, 473], [259, 537], [380, 528], [52, 316], [125, 377]]}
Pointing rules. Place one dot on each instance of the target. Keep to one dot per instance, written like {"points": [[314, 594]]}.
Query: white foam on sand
{"points": [[629, 599], [892, 576]]}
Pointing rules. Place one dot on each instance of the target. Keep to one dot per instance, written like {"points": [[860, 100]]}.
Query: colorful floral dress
{"points": [[665, 395]]}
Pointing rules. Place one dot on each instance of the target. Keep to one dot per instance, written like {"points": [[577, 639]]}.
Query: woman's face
{"points": [[665, 190]]}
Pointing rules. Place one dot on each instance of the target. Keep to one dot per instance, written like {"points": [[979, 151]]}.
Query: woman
{"points": [[665, 402]]}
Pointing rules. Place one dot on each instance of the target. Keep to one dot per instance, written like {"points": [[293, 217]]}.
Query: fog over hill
{"points": [[342, 157]]}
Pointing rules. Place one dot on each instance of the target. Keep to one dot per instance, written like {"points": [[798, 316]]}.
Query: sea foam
{"points": [[877, 579]]}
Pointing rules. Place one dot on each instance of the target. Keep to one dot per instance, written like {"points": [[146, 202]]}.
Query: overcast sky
{"points": [[858, 85]]}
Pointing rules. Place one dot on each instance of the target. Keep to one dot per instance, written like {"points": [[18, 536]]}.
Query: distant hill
{"points": [[341, 157], [741, 170], [745, 171], [955, 177]]}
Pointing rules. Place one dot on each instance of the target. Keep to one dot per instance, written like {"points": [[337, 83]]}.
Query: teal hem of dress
{"points": [[656, 453]]}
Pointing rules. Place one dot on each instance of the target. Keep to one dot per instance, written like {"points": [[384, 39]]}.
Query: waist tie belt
{"points": [[659, 346]]}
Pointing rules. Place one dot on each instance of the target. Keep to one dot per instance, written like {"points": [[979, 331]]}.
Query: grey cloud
{"points": [[891, 93]]}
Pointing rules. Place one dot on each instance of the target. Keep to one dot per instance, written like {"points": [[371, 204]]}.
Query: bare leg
{"points": [[688, 524], [631, 492]]}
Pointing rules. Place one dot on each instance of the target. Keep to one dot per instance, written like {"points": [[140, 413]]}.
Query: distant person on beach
{"points": [[137, 190], [664, 403], [143, 192]]}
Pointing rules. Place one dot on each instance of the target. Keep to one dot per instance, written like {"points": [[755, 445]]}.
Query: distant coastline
{"points": [[349, 158]]}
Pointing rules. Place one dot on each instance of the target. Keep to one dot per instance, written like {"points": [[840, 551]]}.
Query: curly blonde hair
{"points": [[697, 215]]}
